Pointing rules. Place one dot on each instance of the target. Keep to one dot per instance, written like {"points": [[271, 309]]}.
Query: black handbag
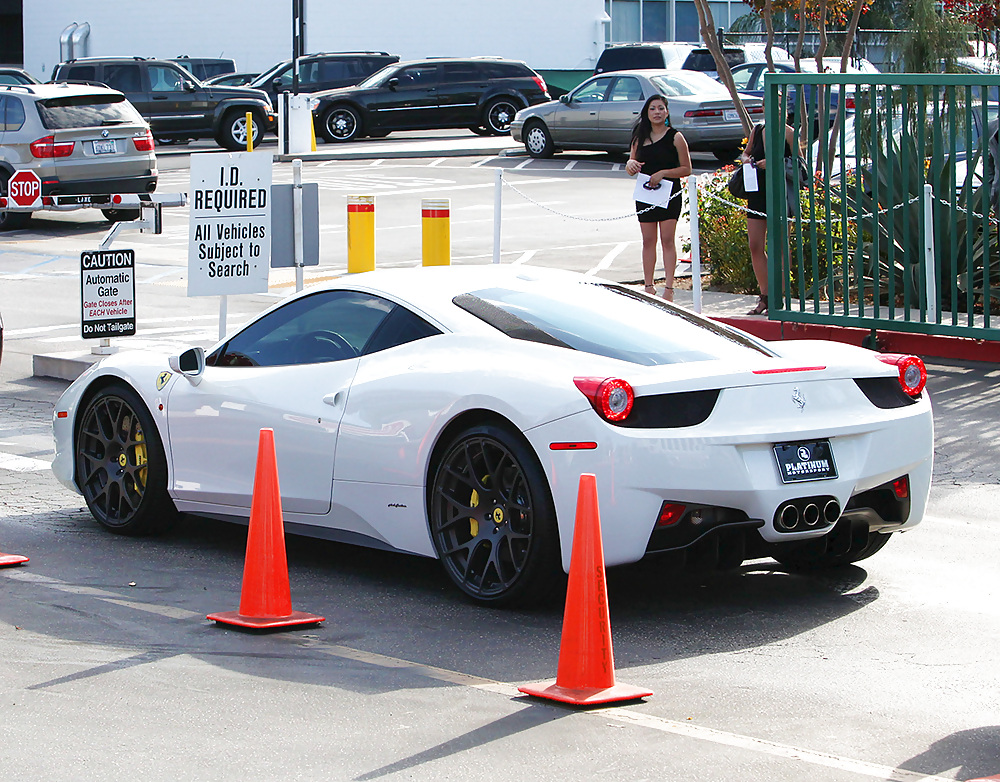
{"points": [[736, 184]]}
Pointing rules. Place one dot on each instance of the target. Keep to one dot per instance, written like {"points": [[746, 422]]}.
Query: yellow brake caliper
{"points": [[474, 502]]}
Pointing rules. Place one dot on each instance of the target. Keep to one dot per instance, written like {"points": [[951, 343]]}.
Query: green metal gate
{"points": [[895, 225]]}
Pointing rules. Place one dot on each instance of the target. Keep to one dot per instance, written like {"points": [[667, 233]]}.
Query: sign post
{"points": [[107, 285], [229, 248]]}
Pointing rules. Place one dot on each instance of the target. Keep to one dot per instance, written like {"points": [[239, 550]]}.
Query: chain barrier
{"points": [[526, 197]]}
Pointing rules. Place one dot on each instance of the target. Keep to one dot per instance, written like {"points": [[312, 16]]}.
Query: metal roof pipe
{"points": [[66, 43], [80, 40]]}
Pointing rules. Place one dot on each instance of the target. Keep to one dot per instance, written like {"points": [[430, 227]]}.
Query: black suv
{"points": [[324, 71], [177, 106], [480, 93]]}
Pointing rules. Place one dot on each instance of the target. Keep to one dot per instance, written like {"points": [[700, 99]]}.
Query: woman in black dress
{"points": [[661, 153]]}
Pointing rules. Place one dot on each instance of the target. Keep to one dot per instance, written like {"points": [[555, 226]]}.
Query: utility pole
{"points": [[298, 40]]}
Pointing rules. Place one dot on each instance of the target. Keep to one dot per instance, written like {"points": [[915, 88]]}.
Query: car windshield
{"points": [[265, 78], [694, 83], [631, 327], [86, 111]]}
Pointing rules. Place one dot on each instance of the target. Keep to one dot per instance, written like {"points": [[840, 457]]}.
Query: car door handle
{"points": [[159, 97]]}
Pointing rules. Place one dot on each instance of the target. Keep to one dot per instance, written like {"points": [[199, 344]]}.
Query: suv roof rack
{"points": [[25, 87]]}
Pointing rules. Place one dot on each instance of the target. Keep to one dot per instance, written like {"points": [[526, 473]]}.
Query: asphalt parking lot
{"points": [[885, 670]]}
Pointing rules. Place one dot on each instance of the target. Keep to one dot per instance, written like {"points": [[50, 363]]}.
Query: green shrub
{"points": [[722, 233]]}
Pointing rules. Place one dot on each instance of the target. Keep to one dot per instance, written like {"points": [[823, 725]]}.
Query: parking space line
{"points": [[571, 165], [525, 257], [15, 463], [519, 166], [606, 261]]}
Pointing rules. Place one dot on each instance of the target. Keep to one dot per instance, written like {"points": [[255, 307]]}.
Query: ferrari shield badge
{"points": [[161, 379]]}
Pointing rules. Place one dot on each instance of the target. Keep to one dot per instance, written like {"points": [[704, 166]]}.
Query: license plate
{"points": [[807, 461], [105, 146], [731, 116]]}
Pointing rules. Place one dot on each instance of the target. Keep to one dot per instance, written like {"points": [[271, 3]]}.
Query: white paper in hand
{"points": [[658, 196], [749, 178]]}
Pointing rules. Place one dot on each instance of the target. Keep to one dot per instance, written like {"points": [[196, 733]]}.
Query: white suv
{"points": [[79, 139]]}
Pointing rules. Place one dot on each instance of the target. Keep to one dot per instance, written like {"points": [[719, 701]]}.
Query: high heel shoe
{"points": [[651, 290], [761, 307]]}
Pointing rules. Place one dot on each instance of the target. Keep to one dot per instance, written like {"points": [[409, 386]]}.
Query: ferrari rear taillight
{"points": [[901, 487], [143, 142], [47, 147], [611, 397], [670, 514], [912, 372]]}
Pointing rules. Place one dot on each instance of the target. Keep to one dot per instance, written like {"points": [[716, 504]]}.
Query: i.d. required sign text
{"points": [[229, 249]]}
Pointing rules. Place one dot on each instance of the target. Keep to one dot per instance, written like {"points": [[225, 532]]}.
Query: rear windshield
{"points": [[607, 320], [86, 111], [702, 59], [630, 58]]}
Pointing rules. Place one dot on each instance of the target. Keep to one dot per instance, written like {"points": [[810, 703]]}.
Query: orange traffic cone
{"points": [[266, 600], [11, 559], [586, 673]]}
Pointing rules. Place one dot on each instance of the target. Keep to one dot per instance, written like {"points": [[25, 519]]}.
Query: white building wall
{"points": [[543, 33]]}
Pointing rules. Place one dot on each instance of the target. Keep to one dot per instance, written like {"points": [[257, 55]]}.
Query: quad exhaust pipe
{"points": [[806, 513]]}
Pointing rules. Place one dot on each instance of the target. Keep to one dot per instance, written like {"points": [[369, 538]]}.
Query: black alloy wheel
{"points": [[341, 123], [492, 518], [121, 468], [499, 114]]}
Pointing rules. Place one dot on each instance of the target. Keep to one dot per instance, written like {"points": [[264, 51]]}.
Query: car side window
{"points": [[593, 92], [326, 326], [417, 75], [80, 73], [164, 79], [626, 88], [123, 77], [458, 72], [400, 327], [11, 113], [744, 77]]}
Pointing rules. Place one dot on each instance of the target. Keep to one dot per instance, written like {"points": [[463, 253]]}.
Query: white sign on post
{"points": [[107, 285], [230, 235]]}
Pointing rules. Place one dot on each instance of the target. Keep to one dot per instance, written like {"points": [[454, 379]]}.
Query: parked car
{"points": [[16, 76], [670, 55], [233, 79], [449, 412], [80, 140], [749, 79], [479, 93], [176, 104], [599, 114], [323, 71], [205, 67]]}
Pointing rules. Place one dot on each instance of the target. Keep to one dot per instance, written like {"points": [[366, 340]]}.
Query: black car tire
{"points": [[121, 215], [538, 140], [233, 130], [121, 467], [11, 221], [499, 114], [492, 518], [341, 123]]}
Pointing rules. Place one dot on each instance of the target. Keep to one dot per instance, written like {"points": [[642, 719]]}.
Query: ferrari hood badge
{"points": [[799, 398]]}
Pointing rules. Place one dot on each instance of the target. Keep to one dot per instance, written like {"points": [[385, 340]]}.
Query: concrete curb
{"points": [[932, 345]]}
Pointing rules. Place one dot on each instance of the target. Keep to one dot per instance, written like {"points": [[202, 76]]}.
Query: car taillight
{"points": [[703, 113], [755, 110], [901, 487], [849, 103], [670, 514], [912, 372], [48, 147], [611, 397], [143, 143], [541, 83]]}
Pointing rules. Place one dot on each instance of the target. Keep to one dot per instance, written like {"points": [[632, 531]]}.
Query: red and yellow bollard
{"points": [[360, 233], [436, 219]]}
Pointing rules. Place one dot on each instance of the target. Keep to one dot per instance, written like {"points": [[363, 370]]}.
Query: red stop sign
{"points": [[25, 188]]}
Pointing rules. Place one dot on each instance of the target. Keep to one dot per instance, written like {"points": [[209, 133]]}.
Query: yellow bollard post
{"points": [[360, 234], [249, 132], [436, 219]]}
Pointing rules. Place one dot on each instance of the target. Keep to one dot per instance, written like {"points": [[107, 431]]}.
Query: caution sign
{"points": [[107, 283], [229, 248]]}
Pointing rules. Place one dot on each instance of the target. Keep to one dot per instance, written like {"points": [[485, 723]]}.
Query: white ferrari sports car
{"points": [[449, 412]]}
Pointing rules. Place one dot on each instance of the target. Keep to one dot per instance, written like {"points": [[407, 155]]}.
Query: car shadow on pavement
{"points": [[975, 753]]}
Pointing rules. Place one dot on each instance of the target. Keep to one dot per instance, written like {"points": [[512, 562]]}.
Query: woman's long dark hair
{"points": [[643, 128]]}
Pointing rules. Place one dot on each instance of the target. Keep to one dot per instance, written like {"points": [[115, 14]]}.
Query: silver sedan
{"points": [[600, 112]]}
